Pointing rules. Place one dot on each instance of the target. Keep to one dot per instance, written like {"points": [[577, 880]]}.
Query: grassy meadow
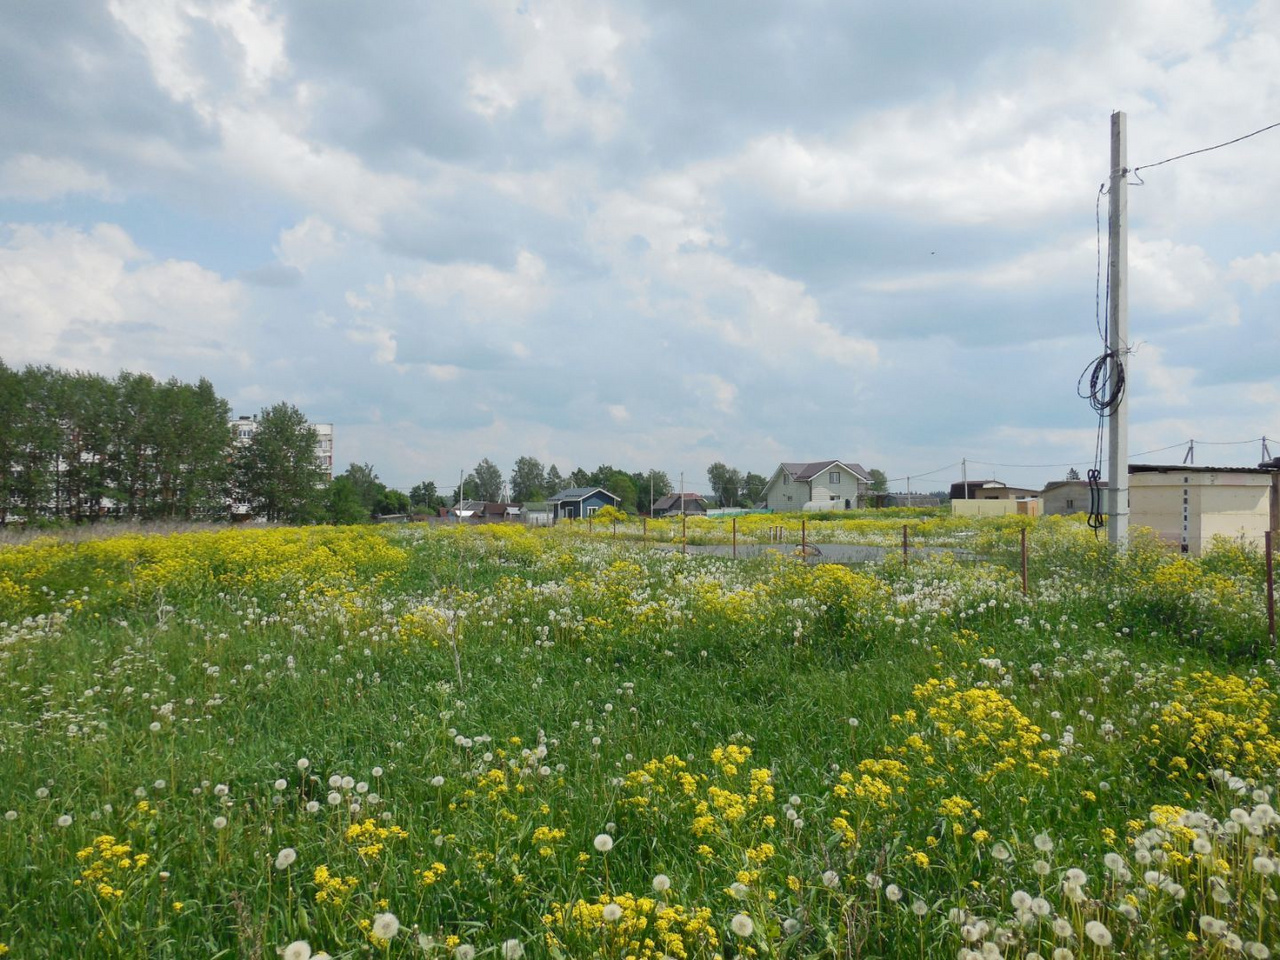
{"points": [[497, 742]]}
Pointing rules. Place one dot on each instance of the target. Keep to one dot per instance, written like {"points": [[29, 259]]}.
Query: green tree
{"points": [[655, 485], [11, 404], [879, 482], [726, 482], [35, 438], [392, 502], [555, 482], [622, 486], [369, 489], [753, 488], [279, 471], [485, 482], [1073, 474], [528, 480], [425, 496], [342, 503]]}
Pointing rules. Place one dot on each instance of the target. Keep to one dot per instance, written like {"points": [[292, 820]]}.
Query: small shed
{"points": [[1190, 505]]}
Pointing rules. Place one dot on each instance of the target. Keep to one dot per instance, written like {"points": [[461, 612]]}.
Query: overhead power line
{"points": [[1192, 153]]}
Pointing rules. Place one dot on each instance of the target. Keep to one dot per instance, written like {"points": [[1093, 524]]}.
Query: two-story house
{"points": [[820, 485]]}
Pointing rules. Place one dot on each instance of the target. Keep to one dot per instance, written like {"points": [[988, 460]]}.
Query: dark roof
{"points": [[807, 471], [672, 499], [1055, 484], [580, 493], [1190, 468]]}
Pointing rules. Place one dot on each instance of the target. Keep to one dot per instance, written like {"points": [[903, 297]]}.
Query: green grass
{"points": [[424, 654]]}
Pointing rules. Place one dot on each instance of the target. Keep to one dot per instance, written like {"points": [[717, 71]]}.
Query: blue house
{"points": [[579, 502]]}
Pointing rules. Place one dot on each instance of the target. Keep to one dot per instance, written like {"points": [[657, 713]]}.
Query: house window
{"points": [[1071, 504], [834, 476], [786, 478]]}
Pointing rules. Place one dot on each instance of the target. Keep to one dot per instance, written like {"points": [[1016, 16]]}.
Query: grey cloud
{"points": [[273, 275]]}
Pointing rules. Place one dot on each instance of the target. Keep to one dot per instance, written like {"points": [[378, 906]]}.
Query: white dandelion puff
{"points": [[285, 858], [385, 925], [298, 950], [603, 842], [741, 925], [1098, 933]]}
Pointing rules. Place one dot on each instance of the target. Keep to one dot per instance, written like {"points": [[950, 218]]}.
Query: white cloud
{"points": [[559, 50], [1171, 277], [618, 413], [27, 177], [252, 41], [1259, 271], [1154, 382], [683, 279], [481, 292], [713, 390], [94, 300], [309, 241]]}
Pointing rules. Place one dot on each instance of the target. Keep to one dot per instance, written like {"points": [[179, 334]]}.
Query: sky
{"points": [[653, 235]]}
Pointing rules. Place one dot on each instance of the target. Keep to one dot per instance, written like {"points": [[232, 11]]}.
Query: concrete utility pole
{"points": [[1118, 333]]}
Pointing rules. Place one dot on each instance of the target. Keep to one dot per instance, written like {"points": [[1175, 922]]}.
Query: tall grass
{"points": [[422, 742]]}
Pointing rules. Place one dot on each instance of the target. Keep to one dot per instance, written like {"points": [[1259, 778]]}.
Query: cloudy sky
{"points": [[650, 234]]}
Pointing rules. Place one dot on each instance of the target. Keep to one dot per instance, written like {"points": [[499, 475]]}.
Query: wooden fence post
{"points": [[1024, 561], [735, 538], [684, 534], [904, 545], [1268, 545]]}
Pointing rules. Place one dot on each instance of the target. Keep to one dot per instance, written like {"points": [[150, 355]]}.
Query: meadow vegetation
{"points": [[460, 742]]}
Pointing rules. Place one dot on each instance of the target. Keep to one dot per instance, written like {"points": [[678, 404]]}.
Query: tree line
{"points": [[79, 446]]}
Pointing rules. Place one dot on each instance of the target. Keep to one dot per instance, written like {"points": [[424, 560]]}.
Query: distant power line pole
{"points": [[1118, 332]]}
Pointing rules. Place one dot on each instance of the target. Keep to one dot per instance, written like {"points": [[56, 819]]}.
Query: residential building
{"points": [[820, 484], [1065, 497], [243, 429], [672, 505], [989, 490], [577, 503], [485, 511], [1190, 505]]}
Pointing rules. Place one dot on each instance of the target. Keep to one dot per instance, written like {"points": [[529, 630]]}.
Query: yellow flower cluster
{"points": [[432, 874], [625, 926], [985, 728], [369, 838], [1219, 721], [332, 888], [109, 862]]}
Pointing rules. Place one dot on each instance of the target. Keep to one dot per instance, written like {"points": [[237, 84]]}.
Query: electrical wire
{"points": [[1192, 153]]}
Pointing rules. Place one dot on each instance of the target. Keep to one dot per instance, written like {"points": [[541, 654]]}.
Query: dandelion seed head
{"points": [[298, 950], [285, 858], [385, 926], [741, 925], [603, 842], [1098, 933], [661, 883], [612, 913]]}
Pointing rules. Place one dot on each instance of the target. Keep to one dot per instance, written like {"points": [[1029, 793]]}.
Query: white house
{"points": [[822, 484]]}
